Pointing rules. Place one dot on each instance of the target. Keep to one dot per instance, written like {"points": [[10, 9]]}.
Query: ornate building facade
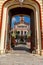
{"points": [[32, 8], [22, 29]]}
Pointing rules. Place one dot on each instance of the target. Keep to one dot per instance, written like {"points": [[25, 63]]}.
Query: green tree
{"points": [[13, 34], [28, 34]]}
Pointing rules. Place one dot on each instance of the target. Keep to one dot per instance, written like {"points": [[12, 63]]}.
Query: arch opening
{"points": [[13, 9], [24, 12]]}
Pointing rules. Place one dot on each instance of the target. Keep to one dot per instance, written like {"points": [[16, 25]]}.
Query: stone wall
{"points": [[40, 2]]}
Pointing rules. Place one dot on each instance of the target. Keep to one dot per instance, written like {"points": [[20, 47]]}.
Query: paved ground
{"points": [[20, 57]]}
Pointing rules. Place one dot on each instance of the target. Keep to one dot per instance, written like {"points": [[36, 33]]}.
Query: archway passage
{"points": [[28, 7], [24, 11]]}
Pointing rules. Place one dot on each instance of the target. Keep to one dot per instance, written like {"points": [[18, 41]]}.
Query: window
{"points": [[25, 32], [21, 32], [18, 32]]}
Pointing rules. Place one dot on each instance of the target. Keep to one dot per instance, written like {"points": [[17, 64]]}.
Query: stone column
{"points": [[3, 30], [38, 31]]}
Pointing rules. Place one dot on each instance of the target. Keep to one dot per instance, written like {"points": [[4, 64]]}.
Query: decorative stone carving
{"points": [[21, 1]]}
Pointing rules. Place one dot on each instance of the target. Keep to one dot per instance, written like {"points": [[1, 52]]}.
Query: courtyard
{"points": [[20, 57]]}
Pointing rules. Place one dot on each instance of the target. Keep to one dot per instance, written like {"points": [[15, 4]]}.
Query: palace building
{"points": [[31, 8], [22, 29]]}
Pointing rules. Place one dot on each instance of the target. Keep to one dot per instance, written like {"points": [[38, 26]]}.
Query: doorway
{"points": [[23, 12], [28, 7]]}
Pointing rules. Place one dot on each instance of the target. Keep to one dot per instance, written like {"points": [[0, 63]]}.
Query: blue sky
{"points": [[17, 19]]}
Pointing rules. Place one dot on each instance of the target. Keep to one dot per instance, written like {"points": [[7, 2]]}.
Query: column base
{"points": [[41, 52], [2, 51], [38, 52]]}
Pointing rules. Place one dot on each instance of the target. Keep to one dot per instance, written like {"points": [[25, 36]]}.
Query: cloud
{"points": [[12, 22], [13, 19]]}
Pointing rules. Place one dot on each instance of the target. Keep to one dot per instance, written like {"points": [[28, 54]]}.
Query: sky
{"points": [[17, 19]]}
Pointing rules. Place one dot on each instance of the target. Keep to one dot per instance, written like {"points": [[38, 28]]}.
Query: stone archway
{"points": [[26, 4], [29, 12]]}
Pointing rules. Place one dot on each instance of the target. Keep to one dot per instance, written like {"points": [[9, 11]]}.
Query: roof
{"points": [[21, 22]]}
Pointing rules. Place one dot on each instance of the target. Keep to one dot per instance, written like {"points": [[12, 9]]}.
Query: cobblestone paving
{"points": [[20, 58]]}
